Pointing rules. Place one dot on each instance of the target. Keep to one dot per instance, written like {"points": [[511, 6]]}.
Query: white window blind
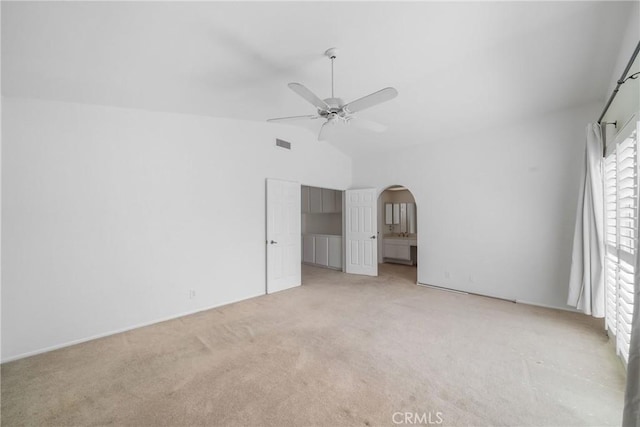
{"points": [[621, 238]]}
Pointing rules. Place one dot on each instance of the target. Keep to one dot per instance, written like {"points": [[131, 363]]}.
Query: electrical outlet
{"points": [[192, 293], [471, 279]]}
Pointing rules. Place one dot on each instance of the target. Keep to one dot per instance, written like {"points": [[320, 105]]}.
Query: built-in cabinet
{"points": [[315, 201], [335, 252], [398, 249], [321, 200], [308, 249], [322, 250], [321, 227]]}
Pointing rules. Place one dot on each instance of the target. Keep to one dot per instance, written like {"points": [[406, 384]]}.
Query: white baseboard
{"points": [[573, 310], [118, 331], [440, 288], [553, 307]]}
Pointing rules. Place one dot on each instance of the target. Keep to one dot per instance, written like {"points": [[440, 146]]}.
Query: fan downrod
{"points": [[331, 53]]}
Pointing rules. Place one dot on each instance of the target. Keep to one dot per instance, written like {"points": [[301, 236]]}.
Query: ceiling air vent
{"points": [[283, 144]]}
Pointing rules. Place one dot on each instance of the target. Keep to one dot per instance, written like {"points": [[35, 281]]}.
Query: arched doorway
{"points": [[398, 229]]}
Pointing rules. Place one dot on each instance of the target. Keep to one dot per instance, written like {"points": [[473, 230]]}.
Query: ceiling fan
{"points": [[334, 110]]}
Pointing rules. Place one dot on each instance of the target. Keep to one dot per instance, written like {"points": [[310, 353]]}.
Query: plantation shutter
{"points": [[621, 238], [611, 239]]}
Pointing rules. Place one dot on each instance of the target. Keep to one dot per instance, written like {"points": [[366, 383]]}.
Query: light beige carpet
{"points": [[340, 350]]}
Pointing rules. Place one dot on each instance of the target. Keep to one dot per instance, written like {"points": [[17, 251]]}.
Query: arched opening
{"points": [[398, 231]]}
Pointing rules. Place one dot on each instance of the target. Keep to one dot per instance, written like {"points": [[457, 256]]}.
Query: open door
{"points": [[361, 230], [283, 235]]}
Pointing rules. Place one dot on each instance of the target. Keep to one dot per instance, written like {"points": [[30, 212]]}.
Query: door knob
{"points": [[373, 237], [273, 242]]}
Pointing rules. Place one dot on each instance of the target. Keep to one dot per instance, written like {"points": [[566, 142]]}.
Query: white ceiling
{"points": [[457, 66]]}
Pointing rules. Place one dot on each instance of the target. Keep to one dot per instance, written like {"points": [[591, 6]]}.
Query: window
{"points": [[621, 235]]}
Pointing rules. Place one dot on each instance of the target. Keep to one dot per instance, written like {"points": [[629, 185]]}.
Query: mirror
{"points": [[403, 217], [388, 214], [411, 218], [402, 214], [407, 218]]}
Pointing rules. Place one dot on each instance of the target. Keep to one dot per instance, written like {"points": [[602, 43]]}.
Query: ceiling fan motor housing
{"points": [[335, 108]]}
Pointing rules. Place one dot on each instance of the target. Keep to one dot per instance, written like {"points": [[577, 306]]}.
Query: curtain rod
{"points": [[621, 81]]}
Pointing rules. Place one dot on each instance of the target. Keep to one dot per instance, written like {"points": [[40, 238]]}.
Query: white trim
{"points": [[552, 307], [440, 288], [624, 132], [618, 134], [119, 331], [461, 291]]}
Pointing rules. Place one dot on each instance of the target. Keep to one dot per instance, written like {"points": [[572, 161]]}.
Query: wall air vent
{"points": [[283, 144]]}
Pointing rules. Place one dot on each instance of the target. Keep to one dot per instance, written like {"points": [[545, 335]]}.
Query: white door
{"points": [[283, 235], [361, 230]]}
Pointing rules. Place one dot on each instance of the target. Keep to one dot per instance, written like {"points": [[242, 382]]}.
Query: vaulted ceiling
{"points": [[457, 66]]}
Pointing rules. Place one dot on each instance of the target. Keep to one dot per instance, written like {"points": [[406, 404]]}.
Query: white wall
{"points": [[496, 209], [111, 216], [627, 100], [627, 44]]}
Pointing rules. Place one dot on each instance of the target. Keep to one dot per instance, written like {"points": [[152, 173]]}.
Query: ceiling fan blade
{"points": [[292, 118], [368, 101], [368, 124], [308, 95], [326, 130]]}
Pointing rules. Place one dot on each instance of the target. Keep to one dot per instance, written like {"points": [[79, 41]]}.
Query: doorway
{"points": [[321, 228], [398, 225], [335, 240]]}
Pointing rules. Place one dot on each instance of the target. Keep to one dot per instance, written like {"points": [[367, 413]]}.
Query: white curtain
{"points": [[586, 284]]}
